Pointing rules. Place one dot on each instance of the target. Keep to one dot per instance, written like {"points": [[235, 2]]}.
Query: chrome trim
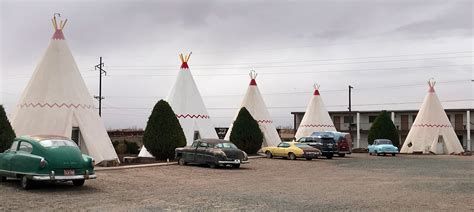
{"points": [[53, 178]]}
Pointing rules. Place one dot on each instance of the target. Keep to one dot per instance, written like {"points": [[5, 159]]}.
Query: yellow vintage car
{"points": [[292, 150]]}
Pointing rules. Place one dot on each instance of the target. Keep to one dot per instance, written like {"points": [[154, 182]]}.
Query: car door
{"points": [[23, 161], [371, 147], [201, 152], [6, 158], [190, 153]]}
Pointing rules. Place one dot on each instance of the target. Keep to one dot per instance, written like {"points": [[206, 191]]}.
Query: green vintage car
{"points": [[45, 158]]}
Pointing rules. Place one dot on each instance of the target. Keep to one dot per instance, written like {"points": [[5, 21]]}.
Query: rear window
{"points": [[384, 142], [57, 143]]}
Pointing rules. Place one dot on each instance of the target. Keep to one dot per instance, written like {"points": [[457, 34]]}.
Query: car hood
{"points": [[309, 149], [233, 153], [64, 157]]}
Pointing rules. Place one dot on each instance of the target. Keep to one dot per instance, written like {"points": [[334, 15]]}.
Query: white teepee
{"points": [[316, 118], [432, 131], [254, 103], [56, 101], [186, 102]]}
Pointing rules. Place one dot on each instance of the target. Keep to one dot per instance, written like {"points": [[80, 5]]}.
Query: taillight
{"points": [[92, 162], [42, 163]]}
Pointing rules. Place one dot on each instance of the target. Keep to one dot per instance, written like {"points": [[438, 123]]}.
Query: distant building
{"points": [[403, 119]]}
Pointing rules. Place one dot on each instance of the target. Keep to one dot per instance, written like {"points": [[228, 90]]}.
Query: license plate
{"points": [[69, 172]]}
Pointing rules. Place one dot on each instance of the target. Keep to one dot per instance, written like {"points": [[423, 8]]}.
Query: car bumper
{"points": [[387, 152], [54, 178], [315, 155], [224, 162]]}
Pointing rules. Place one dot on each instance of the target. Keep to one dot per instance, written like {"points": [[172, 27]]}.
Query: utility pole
{"points": [[350, 110], [101, 71]]}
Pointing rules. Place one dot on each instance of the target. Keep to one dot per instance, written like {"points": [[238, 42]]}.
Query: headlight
{"points": [[245, 156]]}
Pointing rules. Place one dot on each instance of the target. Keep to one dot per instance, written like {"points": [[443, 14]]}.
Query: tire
{"points": [[181, 161], [291, 156], [329, 156], [384, 154], [370, 153], [236, 166], [269, 154], [393, 154], [342, 155], [309, 158], [3, 179], [78, 182], [25, 182]]}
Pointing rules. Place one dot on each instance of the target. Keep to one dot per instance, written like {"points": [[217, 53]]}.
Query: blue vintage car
{"points": [[382, 146]]}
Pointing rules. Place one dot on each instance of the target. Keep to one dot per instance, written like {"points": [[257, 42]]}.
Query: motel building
{"points": [[358, 123]]}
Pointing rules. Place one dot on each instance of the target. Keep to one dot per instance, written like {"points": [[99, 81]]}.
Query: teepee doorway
{"points": [[76, 135]]}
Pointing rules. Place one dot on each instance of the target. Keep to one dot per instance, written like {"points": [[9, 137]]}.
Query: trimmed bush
{"points": [[163, 133], [6, 132], [246, 133], [132, 147], [383, 128]]}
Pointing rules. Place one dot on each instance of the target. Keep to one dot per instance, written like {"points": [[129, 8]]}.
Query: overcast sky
{"points": [[387, 50]]}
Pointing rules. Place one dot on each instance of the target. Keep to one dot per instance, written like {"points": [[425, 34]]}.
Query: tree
{"points": [[6, 132], [246, 133], [383, 128], [163, 133]]}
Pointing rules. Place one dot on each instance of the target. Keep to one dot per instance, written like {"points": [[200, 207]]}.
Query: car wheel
{"points": [[269, 154], [78, 182], [25, 182], [3, 179], [370, 153], [181, 161], [309, 158], [329, 156], [236, 166], [341, 154], [291, 156], [384, 154], [393, 154]]}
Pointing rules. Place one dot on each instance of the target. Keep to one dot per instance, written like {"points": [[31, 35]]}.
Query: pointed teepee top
{"points": [[58, 29], [316, 89], [184, 60], [431, 83], [253, 75]]}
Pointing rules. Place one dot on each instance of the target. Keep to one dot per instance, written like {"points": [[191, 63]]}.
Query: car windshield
{"points": [[384, 142], [302, 145], [57, 143], [225, 146]]}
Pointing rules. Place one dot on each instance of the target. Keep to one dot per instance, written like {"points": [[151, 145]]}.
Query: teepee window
{"points": [[197, 135], [75, 135]]}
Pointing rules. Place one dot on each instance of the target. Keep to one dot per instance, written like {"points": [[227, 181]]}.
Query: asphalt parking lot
{"points": [[358, 182]]}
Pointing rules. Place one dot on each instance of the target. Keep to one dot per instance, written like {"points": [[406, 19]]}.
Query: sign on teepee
{"points": [[316, 118], [187, 103], [432, 131], [254, 103], [56, 102]]}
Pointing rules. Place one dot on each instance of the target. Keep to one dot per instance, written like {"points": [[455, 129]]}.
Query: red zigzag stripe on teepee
{"points": [[432, 125], [192, 116], [317, 125], [56, 105], [265, 121]]}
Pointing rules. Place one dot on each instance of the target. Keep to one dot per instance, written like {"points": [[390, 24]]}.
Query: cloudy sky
{"points": [[387, 50]]}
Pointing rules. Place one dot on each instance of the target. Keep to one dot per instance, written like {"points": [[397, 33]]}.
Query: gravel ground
{"points": [[357, 182]]}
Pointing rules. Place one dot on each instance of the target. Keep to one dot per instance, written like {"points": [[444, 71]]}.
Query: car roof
{"points": [[39, 138], [213, 140]]}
